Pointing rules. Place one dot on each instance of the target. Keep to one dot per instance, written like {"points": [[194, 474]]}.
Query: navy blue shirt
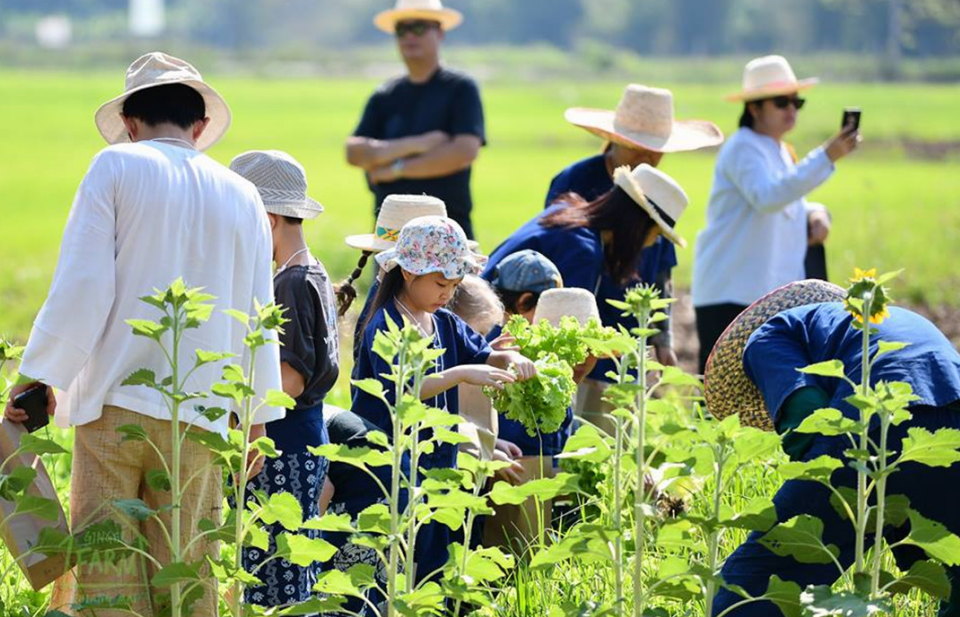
{"points": [[461, 344], [449, 101], [802, 336], [590, 179]]}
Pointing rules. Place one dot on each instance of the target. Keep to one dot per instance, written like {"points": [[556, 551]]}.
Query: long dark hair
{"points": [[615, 212], [390, 287], [746, 118]]}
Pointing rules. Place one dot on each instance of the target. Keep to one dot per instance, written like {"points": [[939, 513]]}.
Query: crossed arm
{"points": [[429, 155]]}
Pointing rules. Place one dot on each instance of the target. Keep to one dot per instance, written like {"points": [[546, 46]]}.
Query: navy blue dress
{"points": [[802, 336], [461, 345], [589, 179]]}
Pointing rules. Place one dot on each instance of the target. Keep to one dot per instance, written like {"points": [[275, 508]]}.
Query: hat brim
{"points": [[387, 20], [110, 123], [625, 180], [473, 264], [685, 135], [773, 90], [307, 209], [372, 244], [726, 387]]}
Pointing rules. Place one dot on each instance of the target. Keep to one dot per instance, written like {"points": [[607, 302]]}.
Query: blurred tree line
{"points": [[916, 28]]}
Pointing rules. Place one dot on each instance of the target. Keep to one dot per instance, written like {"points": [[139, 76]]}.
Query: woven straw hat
{"points": [[427, 10], [281, 181], [395, 212], [657, 193], [769, 76], [160, 69], [726, 387], [644, 119], [573, 301]]}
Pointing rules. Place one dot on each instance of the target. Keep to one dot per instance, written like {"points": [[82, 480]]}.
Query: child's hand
{"points": [[485, 375], [504, 342], [509, 474], [523, 366], [511, 449]]}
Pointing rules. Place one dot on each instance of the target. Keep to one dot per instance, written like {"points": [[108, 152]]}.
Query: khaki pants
{"points": [[105, 470]]}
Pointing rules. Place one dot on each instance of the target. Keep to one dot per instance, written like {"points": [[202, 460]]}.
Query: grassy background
{"points": [[896, 202]]}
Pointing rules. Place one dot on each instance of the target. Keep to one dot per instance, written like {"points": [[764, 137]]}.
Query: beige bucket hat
{"points": [[644, 119], [395, 212], [575, 302], [428, 10], [769, 76], [657, 193], [281, 181], [726, 386], [160, 69]]}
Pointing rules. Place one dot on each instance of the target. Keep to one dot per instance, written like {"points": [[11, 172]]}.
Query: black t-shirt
{"points": [[449, 101], [310, 340]]}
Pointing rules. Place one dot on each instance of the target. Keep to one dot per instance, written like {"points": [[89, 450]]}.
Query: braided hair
{"points": [[346, 292]]}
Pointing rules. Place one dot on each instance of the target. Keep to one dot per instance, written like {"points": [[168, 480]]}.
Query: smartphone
{"points": [[851, 115], [34, 402]]}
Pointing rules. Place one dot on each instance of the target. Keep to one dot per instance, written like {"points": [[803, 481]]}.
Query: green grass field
{"points": [[891, 207]]}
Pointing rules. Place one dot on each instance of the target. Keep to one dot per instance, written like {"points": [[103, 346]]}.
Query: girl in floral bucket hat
{"points": [[423, 270]]}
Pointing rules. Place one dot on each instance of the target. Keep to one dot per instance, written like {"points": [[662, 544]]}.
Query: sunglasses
{"points": [[416, 28], [782, 102]]}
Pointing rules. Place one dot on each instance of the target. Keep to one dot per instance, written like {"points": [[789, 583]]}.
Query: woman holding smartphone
{"points": [[759, 222]]}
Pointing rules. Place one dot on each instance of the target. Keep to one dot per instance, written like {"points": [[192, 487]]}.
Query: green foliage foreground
{"points": [[620, 554]]}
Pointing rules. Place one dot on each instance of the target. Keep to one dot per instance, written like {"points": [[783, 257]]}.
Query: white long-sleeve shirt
{"points": [[145, 214], [755, 239]]}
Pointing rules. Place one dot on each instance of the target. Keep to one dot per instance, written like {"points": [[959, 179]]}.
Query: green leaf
{"points": [[303, 551], [759, 515], [177, 572], [933, 538], [134, 508], [884, 347], [132, 432], [17, 481], [41, 507], [822, 601], [283, 508], [544, 488], [675, 376], [34, 444], [279, 398], [830, 368], [351, 583], [314, 606], [147, 328], [208, 357], [801, 538], [785, 594], [938, 449], [341, 523], [141, 377], [158, 480], [373, 387], [819, 469], [830, 422], [928, 576], [240, 316]]}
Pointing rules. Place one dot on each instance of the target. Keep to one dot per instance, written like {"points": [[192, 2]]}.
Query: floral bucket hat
{"points": [[432, 244]]}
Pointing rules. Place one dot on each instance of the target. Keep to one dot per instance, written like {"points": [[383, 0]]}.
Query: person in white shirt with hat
{"points": [[152, 208], [756, 235]]}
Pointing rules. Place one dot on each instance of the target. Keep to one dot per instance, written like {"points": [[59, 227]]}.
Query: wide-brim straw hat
{"points": [[160, 69], [395, 212], [769, 76], [726, 387], [427, 10], [281, 181], [657, 193], [644, 119], [555, 304]]}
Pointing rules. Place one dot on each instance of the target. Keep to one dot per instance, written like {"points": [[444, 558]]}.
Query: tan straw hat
{"points": [[395, 212], [573, 301], [427, 10], [644, 119], [281, 181], [726, 386], [160, 69], [769, 76], [657, 193]]}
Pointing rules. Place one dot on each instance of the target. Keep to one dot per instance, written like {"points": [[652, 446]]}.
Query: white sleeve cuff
{"points": [[52, 360]]}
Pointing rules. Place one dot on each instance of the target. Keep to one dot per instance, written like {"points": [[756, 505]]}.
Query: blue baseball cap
{"points": [[526, 270]]}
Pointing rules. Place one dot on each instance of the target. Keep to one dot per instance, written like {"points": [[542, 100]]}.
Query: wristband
{"points": [[397, 167]]}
